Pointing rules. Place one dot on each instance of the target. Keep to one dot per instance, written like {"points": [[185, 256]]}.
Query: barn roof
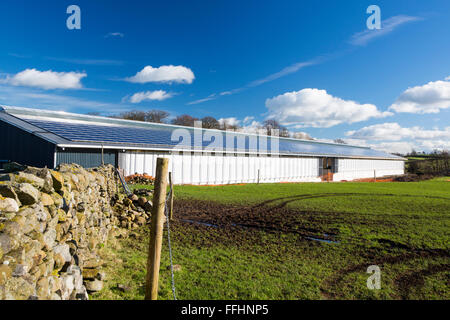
{"points": [[85, 131]]}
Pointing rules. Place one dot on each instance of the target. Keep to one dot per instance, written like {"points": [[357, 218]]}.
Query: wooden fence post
{"points": [[171, 197], [156, 231]]}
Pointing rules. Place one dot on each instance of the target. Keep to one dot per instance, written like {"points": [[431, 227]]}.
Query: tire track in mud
{"points": [[404, 281], [325, 195], [409, 280]]}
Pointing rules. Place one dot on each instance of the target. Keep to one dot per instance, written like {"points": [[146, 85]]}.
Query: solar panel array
{"points": [[101, 133], [160, 135]]}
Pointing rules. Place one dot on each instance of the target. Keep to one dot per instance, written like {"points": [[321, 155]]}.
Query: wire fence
{"points": [[123, 182], [166, 212], [169, 243]]}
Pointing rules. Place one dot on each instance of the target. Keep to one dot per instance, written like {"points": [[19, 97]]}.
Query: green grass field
{"points": [[401, 227]]}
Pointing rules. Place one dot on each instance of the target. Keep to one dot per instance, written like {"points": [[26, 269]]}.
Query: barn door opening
{"points": [[327, 168]]}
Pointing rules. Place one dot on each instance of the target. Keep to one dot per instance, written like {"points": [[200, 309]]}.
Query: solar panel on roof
{"points": [[99, 133], [91, 132], [78, 128]]}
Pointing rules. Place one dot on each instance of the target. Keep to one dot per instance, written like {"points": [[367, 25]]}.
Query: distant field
{"points": [[298, 241]]}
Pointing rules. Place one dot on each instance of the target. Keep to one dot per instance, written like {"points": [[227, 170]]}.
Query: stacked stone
{"points": [[135, 210], [140, 179], [51, 225]]}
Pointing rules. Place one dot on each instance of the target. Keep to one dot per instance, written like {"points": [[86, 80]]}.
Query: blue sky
{"points": [[313, 66]]}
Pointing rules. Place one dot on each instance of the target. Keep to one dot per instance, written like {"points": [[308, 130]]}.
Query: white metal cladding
{"points": [[201, 168], [205, 168], [350, 169]]}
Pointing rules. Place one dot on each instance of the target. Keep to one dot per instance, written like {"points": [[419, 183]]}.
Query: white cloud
{"points": [[232, 121], [401, 147], [392, 131], [210, 97], [35, 98], [169, 73], [150, 95], [248, 125], [436, 144], [47, 79], [392, 137], [253, 127], [404, 147], [387, 26], [115, 35], [229, 92], [98, 62], [18, 55], [429, 98], [394, 147], [356, 142], [301, 135], [285, 71], [248, 119], [316, 108]]}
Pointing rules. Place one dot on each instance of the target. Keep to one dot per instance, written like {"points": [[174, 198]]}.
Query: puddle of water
{"points": [[322, 240], [202, 223]]}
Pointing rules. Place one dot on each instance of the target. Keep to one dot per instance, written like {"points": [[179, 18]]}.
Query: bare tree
{"points": [[210, 123], [224, 124], [93, 113], [272, 124], [158, 116], [339, 140], [184, 120], [133, 115], [284, 132]]}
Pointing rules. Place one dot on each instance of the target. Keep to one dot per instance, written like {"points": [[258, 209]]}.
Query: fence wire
{"points": [[123, 182], [169, 244]]}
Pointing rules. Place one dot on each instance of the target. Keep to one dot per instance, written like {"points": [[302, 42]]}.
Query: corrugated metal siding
{"points": [[350, 169], [200, 168], [86, 158], [25, 148]]}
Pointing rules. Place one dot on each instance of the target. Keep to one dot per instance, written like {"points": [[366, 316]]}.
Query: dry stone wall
{"points": [[52, 223]]}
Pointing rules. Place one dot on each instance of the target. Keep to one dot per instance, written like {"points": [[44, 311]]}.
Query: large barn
{"points": [[197, 156]]}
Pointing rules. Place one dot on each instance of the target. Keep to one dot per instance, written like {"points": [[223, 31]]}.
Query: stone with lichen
{"points": [[52, 223]]}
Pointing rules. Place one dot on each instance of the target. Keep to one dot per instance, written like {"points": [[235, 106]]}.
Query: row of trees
{"points": [[433, 154], [434, 163], [160, 116]]}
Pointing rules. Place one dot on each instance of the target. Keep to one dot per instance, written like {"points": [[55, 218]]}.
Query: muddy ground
{"points": [[274, 219], [243, 224]]}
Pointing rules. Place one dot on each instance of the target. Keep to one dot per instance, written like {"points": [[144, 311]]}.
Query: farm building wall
{"points": [[88, 158], [350, 169], [200, 168], [24, 147]]}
